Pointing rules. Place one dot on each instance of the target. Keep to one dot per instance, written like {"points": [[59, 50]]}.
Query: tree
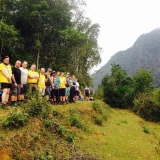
{"points": [[143, 81], [117, 88]]}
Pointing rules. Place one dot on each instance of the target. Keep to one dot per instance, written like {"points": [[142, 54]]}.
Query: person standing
{"points": [[41, 82], [32, 79], [67, 93], [16, 83], [5, 79], [87, 93], [54, 92], [72, 89], [24, 77], [76, 90], [62, 88], [48, 84]]}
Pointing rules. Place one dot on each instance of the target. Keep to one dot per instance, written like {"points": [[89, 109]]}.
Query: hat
{"points": [[53, 71], [68, 73]]}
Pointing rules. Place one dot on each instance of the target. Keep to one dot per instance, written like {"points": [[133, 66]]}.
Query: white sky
{"points": [[122, 22]]}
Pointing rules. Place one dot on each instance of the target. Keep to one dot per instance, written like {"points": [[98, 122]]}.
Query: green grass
{"points": [[121, 136]]}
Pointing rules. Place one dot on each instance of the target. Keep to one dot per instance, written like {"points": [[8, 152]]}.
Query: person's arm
{"points": [[3, 71], [51, 82], [36, 76], [30, 76], [13, 78], [6, 75]]}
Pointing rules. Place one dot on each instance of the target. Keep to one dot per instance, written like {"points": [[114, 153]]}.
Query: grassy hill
{"points": [[84, 130]]}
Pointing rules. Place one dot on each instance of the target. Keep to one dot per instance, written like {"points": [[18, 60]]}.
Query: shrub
{"points": [[146, 129], [148, 106], [48, 123], [70, 137], [117, 88], [55, 113], [61, 130], [37, 106], [96, 106], [47, 156], [98, 121], [16, 119], [75, 121]]}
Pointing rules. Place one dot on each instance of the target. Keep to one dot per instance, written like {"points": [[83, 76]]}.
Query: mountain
{"points": [[145, 53]]}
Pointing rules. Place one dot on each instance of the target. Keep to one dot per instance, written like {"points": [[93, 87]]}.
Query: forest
{"points": [[50, 33]]}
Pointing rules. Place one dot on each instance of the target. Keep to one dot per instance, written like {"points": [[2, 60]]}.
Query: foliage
{"points": [[16, 119], [97, 107], [48, 123], [146, 129], [61, 129], [98, 120], [136, 93], [147, 106], [47, 33], [70, 137], [142, 81], [99, 92], [117, 88], [37, 105], [143, 53], [76, 121]]}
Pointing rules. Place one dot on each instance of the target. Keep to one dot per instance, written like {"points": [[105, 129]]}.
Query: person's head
{"points": [[49, 71], [5, 60], [33, 67], [54, 73], [18, 64], [67, 75], [42, 71], [24, 64], [62, 74], [58, 73], [73, 77]]}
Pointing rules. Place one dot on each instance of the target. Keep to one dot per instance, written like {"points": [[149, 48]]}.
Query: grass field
{"points": [[93, 128]]}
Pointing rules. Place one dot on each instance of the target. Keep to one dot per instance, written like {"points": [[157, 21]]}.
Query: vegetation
{"points": [[144, 53], [136, 93], [50, 33], [55, 137]]}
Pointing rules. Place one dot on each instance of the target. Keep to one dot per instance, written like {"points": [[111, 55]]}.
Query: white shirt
{"points": [[77, 86], [24, 75]]}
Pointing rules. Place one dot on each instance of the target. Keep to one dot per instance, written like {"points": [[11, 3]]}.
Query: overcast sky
{"points": [[122, 22]]}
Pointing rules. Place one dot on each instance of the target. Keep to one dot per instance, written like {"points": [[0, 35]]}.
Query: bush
{"points": [[98, 121], [117, 88], [75, 121], [16, 119], [96, 106], [148, 106], [37, 106], [61, 130], [70, 137], [48, 123], [146, 129]]}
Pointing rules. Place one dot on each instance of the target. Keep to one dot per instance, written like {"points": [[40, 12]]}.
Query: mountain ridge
{"points": [[144, 53]]}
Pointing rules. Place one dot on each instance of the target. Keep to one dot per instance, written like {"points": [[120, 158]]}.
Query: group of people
{"points": [[57, 87]]}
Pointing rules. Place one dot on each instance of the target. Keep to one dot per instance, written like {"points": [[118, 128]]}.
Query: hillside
{"points": [[84, 130], [145, 53]]}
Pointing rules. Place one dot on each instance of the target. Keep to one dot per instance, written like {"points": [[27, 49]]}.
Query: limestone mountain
{"points": [[145, 53]]}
